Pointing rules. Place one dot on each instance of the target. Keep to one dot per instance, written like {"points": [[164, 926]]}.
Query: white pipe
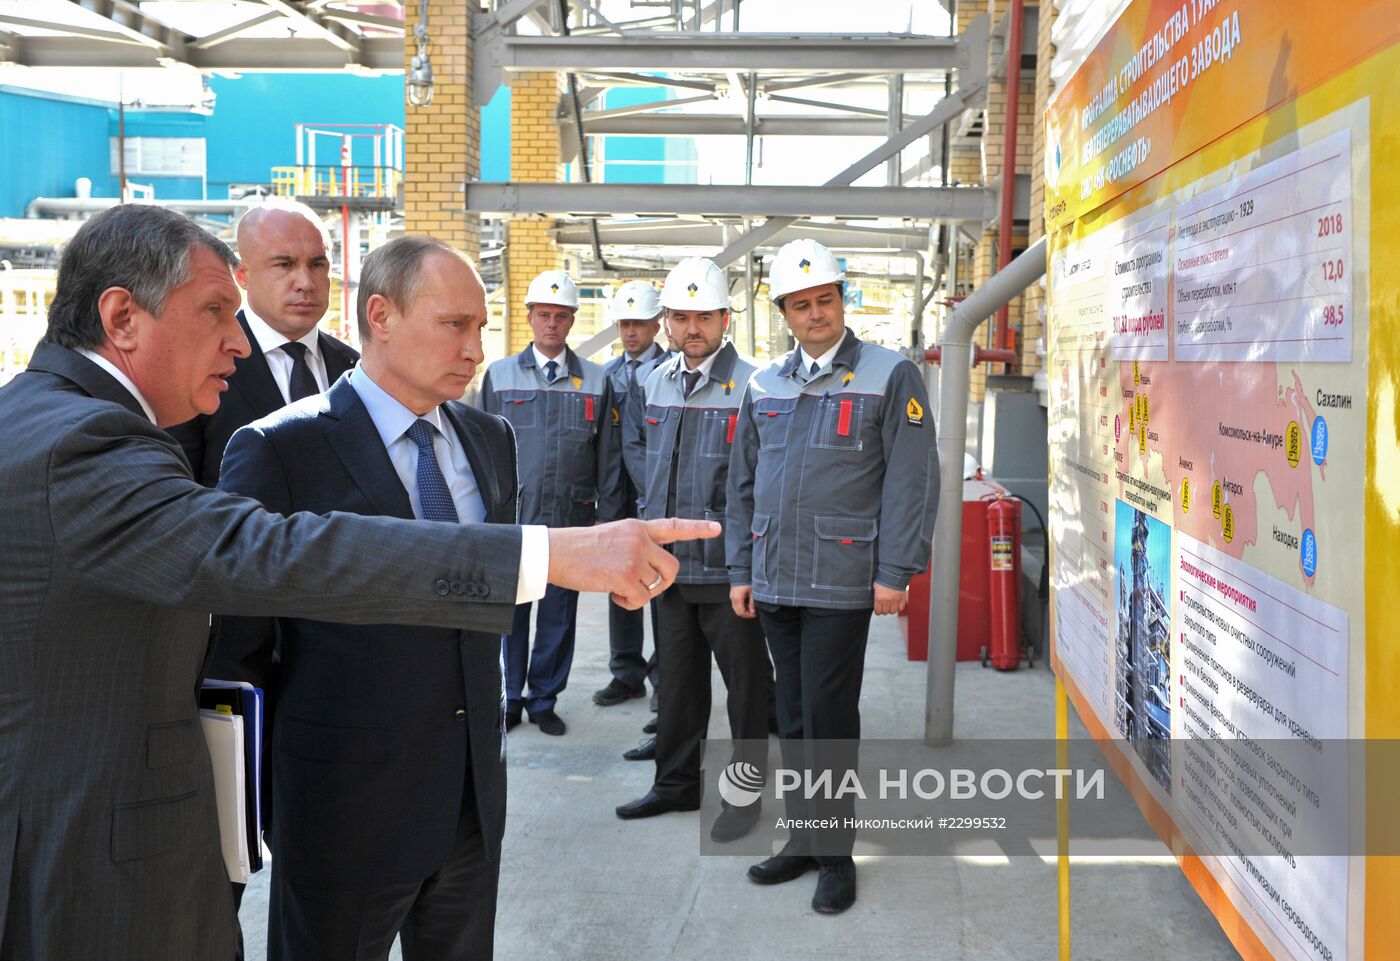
{"points": [[954, 374], [89, 205]]}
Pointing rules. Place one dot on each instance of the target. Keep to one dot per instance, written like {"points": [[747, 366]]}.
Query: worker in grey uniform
{"points": [[560, 406], [636, 310], [833, 484], [692, 411]]}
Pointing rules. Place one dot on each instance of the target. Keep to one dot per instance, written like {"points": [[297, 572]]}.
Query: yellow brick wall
{"points": [[442, 142], [534, 158]]}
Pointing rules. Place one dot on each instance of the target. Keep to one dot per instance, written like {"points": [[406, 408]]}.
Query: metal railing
{"points": [[337, 180]]}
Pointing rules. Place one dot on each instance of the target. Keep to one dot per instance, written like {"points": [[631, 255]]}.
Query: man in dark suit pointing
{"points": [[284, 269], [387, 772]]}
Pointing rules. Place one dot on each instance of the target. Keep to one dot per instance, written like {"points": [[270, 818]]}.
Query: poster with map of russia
{"points": [[1253, 267]]}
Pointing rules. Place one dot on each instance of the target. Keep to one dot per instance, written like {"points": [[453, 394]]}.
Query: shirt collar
{"points": [[270, 340], [121, 378], [391, 418], [705, 365], [825, 359], [561, 362]]}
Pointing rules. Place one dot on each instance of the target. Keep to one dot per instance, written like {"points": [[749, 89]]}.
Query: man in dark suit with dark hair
{"points": [[285, 271], [387, 768]]}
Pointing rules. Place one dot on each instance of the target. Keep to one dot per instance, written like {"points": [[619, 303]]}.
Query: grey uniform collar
{"points": [[847, 355], [526, 358], [721, 371]]}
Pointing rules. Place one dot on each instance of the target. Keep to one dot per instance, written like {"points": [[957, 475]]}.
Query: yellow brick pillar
{"points": [[534, 158], [442, 141]]}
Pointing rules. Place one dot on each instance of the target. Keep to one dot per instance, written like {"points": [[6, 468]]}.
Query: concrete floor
{"points": [[577, 884]]}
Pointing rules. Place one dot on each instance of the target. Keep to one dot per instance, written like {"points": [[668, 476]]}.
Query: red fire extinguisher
{"points": [[1004, 530]]}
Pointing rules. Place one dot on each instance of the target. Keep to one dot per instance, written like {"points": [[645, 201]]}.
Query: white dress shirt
{"points": [[122, 379], [279, 361], [562, 368], [704, 366], [824, 361], [392, 420]]}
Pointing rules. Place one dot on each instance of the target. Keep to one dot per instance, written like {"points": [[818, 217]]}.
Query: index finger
{"points": [[670, 529]]}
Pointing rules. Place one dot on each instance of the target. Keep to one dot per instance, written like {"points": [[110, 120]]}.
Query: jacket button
{"points": [[460, 714], [442, 587], [459, 588]]}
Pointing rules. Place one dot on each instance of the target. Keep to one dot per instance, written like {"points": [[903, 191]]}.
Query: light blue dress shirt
{"points": [[392, 419]]}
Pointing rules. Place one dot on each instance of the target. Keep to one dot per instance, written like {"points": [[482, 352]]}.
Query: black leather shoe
{"points": [[548, 722], [735, 822], [512, 720], [836, 888], [616, 692], [781, 868], [650, 806], [649, 727], [646, 751]]}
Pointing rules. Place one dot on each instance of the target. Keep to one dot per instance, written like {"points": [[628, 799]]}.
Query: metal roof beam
{"points": [[789, 53], [719, 125], [585, 199], [228, 33], [332, 33], [11, 47], [642, 108], [290, 54], [689, 233], [642, 80], [71, 29], [128, 19]]}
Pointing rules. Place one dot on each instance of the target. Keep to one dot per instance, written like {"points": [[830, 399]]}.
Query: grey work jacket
{"points": [[633, 424], [833, 482], [570, 475], [626, 388], [688, 440]]}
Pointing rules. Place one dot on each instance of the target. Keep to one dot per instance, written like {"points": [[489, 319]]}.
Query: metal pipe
{"points": [[91, 205], [952, 444], [1008, 161], [750, 301]]}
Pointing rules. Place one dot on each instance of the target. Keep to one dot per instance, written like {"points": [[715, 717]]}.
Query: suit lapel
{"points": [[474, 441], [336, 356], [253, 378], [361, 450]]}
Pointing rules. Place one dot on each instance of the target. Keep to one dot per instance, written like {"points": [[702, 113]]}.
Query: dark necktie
{"points": [[816, 369], [551, 370], [302, 382], [433, 495], [690, 378], [632, 372]]}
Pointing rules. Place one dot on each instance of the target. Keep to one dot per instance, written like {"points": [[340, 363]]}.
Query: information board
{"points": [[1223, 353]]}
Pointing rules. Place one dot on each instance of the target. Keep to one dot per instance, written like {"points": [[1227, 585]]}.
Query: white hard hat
{"points": [[635, 300], [801, 264], [552, 287], [695, 284]]}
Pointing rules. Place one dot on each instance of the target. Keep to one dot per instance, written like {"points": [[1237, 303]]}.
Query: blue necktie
{"points": [[551, 371], [816, 369], [302, 383], [433, 495]]}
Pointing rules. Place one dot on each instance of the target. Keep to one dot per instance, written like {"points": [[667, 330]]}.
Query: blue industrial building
{"points": [[185, 154]]}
